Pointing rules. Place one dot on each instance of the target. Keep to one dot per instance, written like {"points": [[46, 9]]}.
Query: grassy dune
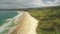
{"points": [[49, 20]]}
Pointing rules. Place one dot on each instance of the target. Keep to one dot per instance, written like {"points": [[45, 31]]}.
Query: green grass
{"points": [[49, 20]]}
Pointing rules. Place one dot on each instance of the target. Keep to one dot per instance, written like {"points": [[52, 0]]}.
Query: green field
{"points": [[49, 20]]}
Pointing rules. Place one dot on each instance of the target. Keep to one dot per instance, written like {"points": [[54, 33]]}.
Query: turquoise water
{"points": [[6, 14]]}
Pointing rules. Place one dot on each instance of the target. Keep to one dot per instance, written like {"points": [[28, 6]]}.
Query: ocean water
{"points": [[7, 18], [6, 14]]}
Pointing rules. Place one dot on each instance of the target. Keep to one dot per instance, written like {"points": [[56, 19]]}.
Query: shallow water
{"points": [[6, 14]]}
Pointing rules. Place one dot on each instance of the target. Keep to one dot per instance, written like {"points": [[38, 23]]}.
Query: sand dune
{"points": [[27, 24]]}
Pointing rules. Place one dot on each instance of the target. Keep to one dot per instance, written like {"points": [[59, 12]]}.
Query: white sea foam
{"points": [[8, 23], [19, 14], [5, 26]]}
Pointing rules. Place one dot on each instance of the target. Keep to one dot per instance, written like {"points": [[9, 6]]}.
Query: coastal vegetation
{"points": [[49, 20]]}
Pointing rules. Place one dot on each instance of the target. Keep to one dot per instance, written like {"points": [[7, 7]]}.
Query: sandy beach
{"points": [[27, 24]]}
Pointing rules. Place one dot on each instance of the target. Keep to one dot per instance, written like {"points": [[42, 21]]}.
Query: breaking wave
{"points": [[9, 23]]}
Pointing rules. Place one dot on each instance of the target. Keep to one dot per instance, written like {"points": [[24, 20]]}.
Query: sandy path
{"points": [[27, 24]]}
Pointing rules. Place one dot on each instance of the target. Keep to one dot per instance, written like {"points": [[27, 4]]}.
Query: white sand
{"points": [[27, 24]]}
